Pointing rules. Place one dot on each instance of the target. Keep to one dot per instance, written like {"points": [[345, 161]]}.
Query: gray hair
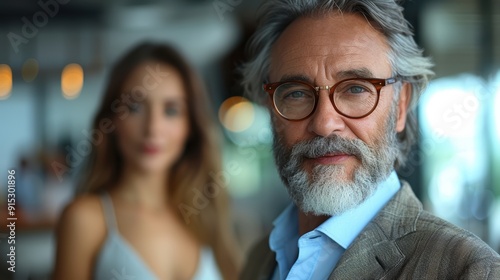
{"points": [[405, 56]]}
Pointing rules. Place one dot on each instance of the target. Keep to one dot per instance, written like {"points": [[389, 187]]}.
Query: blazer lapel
{"points": [[375, 251]]}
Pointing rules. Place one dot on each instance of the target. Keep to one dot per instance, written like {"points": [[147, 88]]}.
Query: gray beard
{"points": [[323, 192]]}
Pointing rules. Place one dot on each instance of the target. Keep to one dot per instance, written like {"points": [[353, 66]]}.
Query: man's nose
{"points": [[325, 120]]}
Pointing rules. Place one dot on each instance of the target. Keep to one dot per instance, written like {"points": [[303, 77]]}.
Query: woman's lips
{"points": [[150, 149], [331, 159]]}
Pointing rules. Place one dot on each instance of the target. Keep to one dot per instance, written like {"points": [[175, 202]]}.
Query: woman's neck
{"points": [[144, 189]]}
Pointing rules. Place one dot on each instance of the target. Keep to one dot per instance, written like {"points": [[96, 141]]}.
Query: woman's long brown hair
{"points": [[195, 187]]}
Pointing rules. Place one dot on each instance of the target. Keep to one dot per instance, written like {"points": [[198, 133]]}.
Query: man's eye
{"points": [[297, 95], [356, 89]]}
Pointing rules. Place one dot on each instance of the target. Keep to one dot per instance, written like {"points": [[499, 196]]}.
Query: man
{"points": [[341, 79]]}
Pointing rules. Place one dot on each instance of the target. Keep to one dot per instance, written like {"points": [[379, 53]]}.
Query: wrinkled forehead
{"points": [[340, 41]]}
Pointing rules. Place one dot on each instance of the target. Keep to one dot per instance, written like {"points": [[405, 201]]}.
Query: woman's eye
{"points": [[134, 107], [172, 111]]}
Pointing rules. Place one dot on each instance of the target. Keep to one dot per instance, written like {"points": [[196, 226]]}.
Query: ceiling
{"points": [[93, 32]]}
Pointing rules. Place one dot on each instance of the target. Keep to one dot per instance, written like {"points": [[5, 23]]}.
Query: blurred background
{"points": [[55, 56]]}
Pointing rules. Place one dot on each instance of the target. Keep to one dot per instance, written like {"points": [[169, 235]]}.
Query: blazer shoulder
{"points": [[440, 246], [438, 229]]}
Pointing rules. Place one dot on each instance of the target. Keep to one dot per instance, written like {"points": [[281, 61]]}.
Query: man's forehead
{"points": [[347, 41]]}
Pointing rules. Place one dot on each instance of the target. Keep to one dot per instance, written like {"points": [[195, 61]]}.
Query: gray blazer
{"points": [[402, 242]]}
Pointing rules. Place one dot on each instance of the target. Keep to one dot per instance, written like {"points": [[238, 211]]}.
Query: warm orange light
{"points": [[5, 81], [30, 70], [72, 81], [236, 114]]}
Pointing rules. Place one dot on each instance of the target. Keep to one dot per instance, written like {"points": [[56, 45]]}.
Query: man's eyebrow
{"points": [[355, 73], [345, 74], [296, 78]]}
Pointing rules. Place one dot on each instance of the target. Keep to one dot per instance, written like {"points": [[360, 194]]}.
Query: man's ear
{"points": [[404, 102]]}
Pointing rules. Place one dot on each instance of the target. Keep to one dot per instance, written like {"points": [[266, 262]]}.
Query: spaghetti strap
{"points": [[109, 213]]}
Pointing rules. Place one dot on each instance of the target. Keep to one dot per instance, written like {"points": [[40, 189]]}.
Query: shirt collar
{"points": [[286, 227], [345, 227]]}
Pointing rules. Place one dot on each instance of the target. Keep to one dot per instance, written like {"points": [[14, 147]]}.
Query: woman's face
{"points": [[152, 136]]}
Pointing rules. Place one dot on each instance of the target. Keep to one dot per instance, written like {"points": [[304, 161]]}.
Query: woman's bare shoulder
{"points": [[84, 214], [83, 208], [80, 233]]}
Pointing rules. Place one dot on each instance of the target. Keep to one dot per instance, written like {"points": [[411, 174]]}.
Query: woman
{"points": [[152, 201]]}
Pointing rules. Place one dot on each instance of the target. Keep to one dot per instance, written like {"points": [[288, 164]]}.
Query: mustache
{"points": [[320, 146]]}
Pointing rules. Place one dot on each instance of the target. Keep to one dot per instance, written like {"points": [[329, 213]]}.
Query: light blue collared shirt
{"points": [[315, 253]]}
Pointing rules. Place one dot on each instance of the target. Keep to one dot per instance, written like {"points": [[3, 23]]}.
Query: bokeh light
{"points": [[72, 81], [237, 114], [5, 81], [451, 107], [452, 113], [446, 190]]}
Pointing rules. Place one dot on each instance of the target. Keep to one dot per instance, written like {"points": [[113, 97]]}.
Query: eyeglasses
{"points": [[353, 98]]}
